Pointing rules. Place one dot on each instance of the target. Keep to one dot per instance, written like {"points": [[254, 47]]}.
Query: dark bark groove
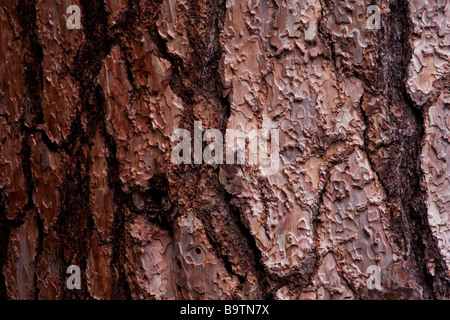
{"points": [[192, 53]]}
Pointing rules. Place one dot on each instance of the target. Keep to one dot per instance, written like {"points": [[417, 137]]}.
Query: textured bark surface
{"points": [[86, 177]]}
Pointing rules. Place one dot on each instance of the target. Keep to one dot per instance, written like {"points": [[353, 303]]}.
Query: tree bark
{"points": [[359, 208]]}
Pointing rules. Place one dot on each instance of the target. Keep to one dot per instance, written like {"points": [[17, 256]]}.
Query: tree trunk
{"points": [[358, 93]]}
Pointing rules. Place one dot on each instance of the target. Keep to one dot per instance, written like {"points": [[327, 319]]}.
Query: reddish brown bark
{"points": [[87, 177]]}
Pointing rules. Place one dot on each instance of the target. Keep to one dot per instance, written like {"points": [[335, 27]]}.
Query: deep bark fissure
{"points": [[205, 70], [120, 286], [423, 243], [179, 74], [411, 204], [75, 221], [32, 61], [255, 259]]}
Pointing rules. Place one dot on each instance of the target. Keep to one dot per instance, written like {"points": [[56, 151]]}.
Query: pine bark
{"points": [[87, 178]]}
